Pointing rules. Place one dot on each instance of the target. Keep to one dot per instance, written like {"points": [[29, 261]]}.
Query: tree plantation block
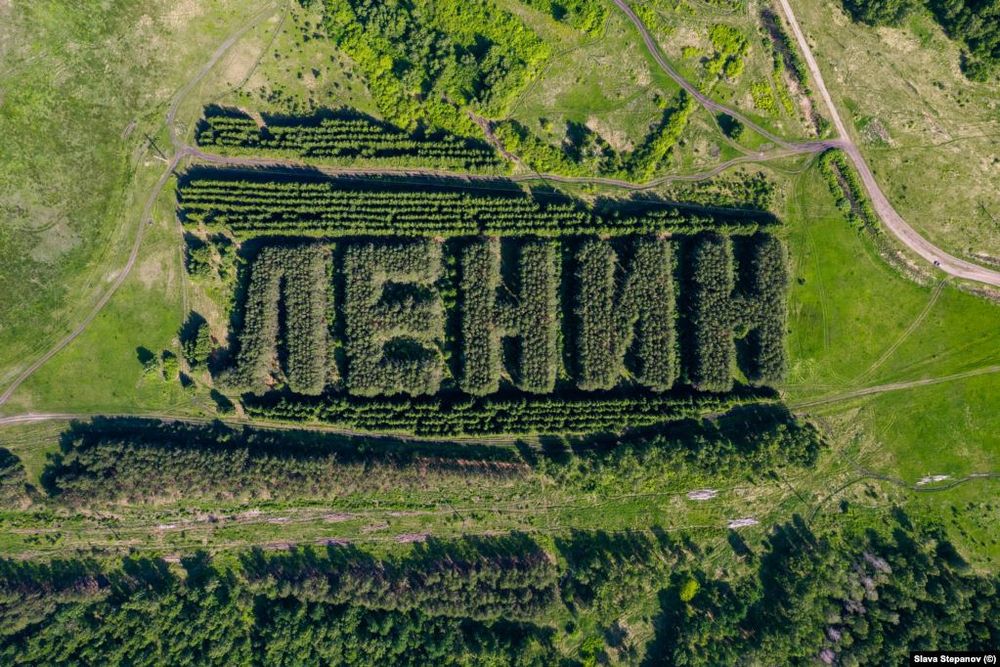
{"points": [[620, 309], [516, 315], [393, 318]]}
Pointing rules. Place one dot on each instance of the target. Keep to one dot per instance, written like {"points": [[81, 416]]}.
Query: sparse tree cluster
{"points": [[585, 15], [975, 22]]}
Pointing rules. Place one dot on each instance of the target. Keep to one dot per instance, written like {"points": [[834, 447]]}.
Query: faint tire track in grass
{"points": [[894, 386], [914, 325]]}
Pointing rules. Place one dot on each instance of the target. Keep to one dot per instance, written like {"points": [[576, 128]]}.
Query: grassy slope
{"points": [[82, 89], [100, 370], [608, 81], [847, 310], [940, 167], [296, 75]]}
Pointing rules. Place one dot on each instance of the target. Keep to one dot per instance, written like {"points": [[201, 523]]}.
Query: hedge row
{"points": [[227, 201], [436, 417], [341, 136]]}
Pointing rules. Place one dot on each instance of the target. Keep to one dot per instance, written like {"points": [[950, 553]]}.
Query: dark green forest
{"points": [[840, 592]]}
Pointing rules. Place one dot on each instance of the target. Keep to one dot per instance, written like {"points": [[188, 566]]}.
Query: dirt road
{"points": [[892, 386], [890, 217]]}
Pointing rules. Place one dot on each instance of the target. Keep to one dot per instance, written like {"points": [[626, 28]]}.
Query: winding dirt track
{"points": [[892, 220], [903, 231]]}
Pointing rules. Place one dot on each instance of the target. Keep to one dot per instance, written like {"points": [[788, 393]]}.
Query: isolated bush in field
{"points": [[198, 258], [731, 48], [733, 128], [170, 365], [150, 361]]}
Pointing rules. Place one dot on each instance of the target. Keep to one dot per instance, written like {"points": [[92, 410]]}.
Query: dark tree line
{"points": [[847, 596], [144, 613], [836, 592]]}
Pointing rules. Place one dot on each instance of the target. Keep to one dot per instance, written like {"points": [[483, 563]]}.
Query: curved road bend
{"points": [[890, 217]]}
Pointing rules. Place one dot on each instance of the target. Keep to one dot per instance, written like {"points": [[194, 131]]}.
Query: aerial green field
{"points": [[499, 332]]}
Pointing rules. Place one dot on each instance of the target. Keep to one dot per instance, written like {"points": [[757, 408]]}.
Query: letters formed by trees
{"points": [[716, 315], [625, 331], [393, 319], [285, 320], [526, 314], [621, 310]]}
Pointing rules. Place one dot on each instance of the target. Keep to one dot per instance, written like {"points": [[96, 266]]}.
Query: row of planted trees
{"points": [[225, 201], [646, 314]]}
